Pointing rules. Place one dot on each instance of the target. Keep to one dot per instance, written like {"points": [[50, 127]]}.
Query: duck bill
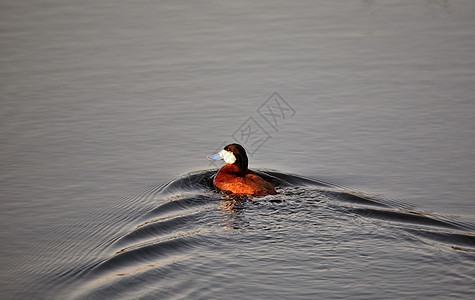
{"points": [[216, 156]]}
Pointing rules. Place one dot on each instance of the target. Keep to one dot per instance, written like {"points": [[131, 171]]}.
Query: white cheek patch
{"points": [[228, 157]]}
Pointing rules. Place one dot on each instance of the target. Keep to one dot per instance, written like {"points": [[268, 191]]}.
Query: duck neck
{"points": [[233, 169]]}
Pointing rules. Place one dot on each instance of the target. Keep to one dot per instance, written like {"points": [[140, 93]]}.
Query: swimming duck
{"points": [[235, 177]]}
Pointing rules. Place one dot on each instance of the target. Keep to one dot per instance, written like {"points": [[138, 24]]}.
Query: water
{"points": [[104, 103], [312, 239]]}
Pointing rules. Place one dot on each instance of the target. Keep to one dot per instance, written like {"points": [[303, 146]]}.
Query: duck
{"points": [[235, 178]]}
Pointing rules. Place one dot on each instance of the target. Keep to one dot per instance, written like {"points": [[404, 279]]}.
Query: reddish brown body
{"points": [[232, 179]]}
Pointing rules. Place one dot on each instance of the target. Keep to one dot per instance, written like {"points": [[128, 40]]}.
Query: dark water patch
{"points": [[179, 204], [284, 179], [194, 181], [168, 278], [458, 241], [155, 228], [413, 218], [145, 254], [352, 198]]}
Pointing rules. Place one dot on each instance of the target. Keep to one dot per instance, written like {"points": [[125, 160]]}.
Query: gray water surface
{"points": [[104, 102]]}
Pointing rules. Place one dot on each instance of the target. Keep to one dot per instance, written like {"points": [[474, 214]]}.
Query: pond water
{"points": [[360, 112]]}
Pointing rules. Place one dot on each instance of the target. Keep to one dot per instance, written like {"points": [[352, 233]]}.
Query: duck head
{"points": [[233, 154]]}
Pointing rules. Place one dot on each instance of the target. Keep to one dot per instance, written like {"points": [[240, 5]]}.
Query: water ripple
{"points": [[174, 245]]}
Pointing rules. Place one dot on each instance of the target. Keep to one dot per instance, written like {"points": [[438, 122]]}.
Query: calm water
{"points": [[107, 106]]}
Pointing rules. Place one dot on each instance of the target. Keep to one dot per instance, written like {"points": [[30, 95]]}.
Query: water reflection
{"points": [[232, 210]]}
